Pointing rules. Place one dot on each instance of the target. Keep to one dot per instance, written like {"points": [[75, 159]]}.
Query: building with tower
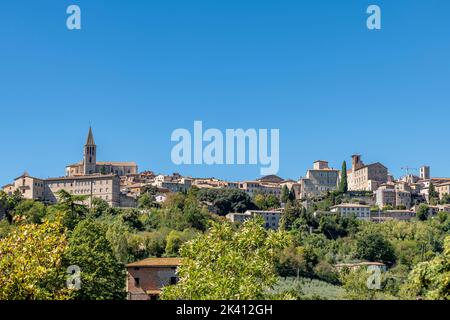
{"points": [[87, 178], [89, 164]]}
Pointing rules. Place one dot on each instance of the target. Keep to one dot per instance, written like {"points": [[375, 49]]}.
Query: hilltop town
{"points": [[372, 193]]}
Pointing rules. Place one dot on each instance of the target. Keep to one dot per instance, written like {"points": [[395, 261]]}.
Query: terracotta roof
{"points": [[156, 262]]}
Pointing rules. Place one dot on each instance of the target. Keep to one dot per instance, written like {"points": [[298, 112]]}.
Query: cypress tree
{"points": [[343, 187]]}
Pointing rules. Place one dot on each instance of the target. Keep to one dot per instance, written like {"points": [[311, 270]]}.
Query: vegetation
{"points": [[38, 243]]}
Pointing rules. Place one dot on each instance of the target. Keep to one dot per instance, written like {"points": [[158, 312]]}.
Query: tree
{"points": [[430, 279], [72, 207], [445, 198], [289, 215], [31, 263], [375, 248], [173, 243], [284, 194], [225, 201], [30, 211], [102, 276], [433, 195], [228, 264], [343, 186], [422, 212]]}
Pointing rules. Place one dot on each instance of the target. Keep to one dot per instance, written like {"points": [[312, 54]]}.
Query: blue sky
{"points": [[140, 69]]}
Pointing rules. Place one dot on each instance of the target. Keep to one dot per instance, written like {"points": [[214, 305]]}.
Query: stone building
{"points": [[89, 164], [271, 218], [362, 177], [146, 278], [319, 180], [86, 179]]}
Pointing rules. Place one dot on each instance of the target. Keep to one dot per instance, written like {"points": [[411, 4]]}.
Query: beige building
{"points": [[253, 188], [362, 177], [319, 180], [86, 179], [271, 218], [89, 164], [347, 209], [393, 195], [443, 189], [105, 187]]}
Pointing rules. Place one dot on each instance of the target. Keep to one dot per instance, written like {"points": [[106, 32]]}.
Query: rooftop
{"points": [[156, 262]]}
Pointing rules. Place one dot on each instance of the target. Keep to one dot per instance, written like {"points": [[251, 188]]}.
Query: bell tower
{"points": [[90, 154]]}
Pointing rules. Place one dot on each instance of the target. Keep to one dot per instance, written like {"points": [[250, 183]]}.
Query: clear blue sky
{"points": [[140, 69]]}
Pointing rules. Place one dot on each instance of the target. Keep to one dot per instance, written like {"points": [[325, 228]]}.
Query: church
{"points": [[89, 164], [87, 178]]}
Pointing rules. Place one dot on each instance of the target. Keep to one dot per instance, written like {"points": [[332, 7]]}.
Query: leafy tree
{"points": [[227, 264], [31, 263], [8, 203], [355, 283], [375, 248], [343, 186], [102, 276], [430, 279], [422, 212], [266, 202], [445, 198], [225, 201], [73, 208], [31, 211], [146, 201], [284, 194], [433, 195], [173, 243], [289, 215], [297, 261], [99, 207], [131, 218]]}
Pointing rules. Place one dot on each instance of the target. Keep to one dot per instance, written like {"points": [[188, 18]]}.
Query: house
{"points": [[318, 180], [362, 177], [146, 278], [357, 265], [346, 209], [393, 215], [271, 218]]}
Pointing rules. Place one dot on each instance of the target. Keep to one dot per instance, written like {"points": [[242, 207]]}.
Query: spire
{"points": [[90, 138]]}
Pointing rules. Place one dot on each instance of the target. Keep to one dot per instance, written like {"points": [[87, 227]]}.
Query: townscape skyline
{"points": [[138, 72]]}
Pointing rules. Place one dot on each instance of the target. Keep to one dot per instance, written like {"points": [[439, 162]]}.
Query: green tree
{"points": [[284, 194], [430, 279], [73, 208], [228, 264], [375, 248], [31, 263], [422, 212], [445, 198], [343, 186], [173, 243], [102, 276], [433, 195], [31, 211]]}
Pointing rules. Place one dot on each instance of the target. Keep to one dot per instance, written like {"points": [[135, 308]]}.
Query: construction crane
{"points": [[408, 169]]}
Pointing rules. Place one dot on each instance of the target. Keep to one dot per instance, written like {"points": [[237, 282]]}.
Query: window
{"points": [[136, 282]]}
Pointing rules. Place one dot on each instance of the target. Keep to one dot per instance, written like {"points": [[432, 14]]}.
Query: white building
{"points": [[347, 209], [271, 218]]}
